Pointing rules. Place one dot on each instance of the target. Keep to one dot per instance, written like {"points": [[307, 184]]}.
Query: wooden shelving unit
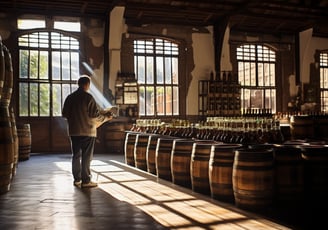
{"points": [[219, 97]]}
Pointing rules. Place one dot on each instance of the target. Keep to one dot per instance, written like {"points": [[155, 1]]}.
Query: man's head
{"points": [[84, 82]]}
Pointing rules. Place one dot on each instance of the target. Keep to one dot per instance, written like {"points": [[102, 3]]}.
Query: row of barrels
{"points": [[15, 138], [253, 177]]}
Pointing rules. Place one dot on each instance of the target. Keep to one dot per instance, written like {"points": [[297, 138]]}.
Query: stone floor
{"points": [[42, 196]]}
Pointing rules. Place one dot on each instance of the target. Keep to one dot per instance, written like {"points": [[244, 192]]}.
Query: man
{"points": [[83, 116]]}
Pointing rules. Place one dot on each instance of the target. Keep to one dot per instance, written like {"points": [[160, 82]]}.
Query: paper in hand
{"points": [[111, 111]]}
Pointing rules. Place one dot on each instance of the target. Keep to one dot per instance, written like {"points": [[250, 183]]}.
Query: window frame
{"points": [[50, 79], [255, 60], [151, 53], [323, 80]]}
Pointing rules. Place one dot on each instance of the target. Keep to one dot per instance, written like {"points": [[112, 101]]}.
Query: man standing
{"points": [[84, 117]]}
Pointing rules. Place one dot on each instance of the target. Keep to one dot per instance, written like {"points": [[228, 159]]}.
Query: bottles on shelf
{"points": [[219, 96]]}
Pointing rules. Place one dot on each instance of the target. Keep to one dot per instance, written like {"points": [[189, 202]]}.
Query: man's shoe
{"points": [[89, 185], [77, 183]]}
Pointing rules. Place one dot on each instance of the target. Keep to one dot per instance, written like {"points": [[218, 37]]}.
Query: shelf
{"points": [[218, 98]]}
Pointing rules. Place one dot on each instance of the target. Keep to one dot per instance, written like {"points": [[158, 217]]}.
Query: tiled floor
{"points": [[42, 196]]}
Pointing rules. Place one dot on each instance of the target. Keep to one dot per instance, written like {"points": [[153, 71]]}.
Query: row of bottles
{"points": [[224, 129]]}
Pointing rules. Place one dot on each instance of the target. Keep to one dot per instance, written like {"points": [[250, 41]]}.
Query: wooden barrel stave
{"points": [[140, 150]]}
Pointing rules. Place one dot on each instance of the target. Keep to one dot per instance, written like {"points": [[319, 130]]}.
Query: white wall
{"points": [[117, 27], [203, 50]]}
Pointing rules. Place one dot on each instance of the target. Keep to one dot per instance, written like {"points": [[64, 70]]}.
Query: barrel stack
{"points": [[7, 144]]}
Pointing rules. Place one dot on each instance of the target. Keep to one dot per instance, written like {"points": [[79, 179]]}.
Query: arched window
{"points": [[156, 68], [256, 74], [324, 81], [48, 70]]}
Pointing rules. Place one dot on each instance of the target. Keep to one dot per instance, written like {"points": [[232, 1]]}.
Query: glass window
{"points": [[47, 73], [68, 26], [256, 75], [156, 67], [324, 81], [24, 24]]}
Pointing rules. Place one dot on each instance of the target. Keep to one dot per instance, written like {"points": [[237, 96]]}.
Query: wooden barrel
{"points": [[301, 127], [8, 80], [24, 141], [315, 159], [180, 162], [151, 153], [2, 67], [114, 136], [140, 150], [199, 166], [289, 175], [253, 178], [163, 157], [220, 171], [6, 150], [130, 138], [15, 139]]}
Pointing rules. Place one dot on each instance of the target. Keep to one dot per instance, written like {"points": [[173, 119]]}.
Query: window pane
{"points": [[168, 100], [34, 100], [260, 78], [270, 102], [23, 64], [257, 99], [24, 24], [75, 65], [68, 26], [66, 90], [324, 101], [160, 99], [150, 100], [23, 99], [43, 39], [44, 100], [141, 69], [65, 67], [150, 70], [34, 64], [142, 101], [168, 74], [159, 70], [44, 65], [175, 69], [55, 65], [175, 100], [56, 100]]}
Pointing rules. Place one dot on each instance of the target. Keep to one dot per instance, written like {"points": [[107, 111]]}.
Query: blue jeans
{"points": [[82, 154]]}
